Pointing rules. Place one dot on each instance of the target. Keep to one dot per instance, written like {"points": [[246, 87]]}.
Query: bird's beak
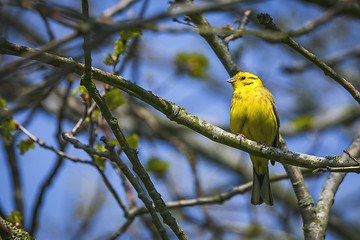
{"points": [[231, 80]]}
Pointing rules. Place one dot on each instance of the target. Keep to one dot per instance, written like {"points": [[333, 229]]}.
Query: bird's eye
{"points": [[243, 78]]}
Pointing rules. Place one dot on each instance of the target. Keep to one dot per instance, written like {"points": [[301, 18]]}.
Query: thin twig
{"points": [[310, 26], [238, 34], [12, 160], [350, 8], [9, 68], [70, 138], [44, 145], [127, 188], [122, 229], [44, 187], [113, 192], [81, 121], [138, 168], [205, 30], [347, 152], [266, 20], [215, 199], [113, 123], [141, 192], [47, 25], [179, 115], [118, 8], [355, 169], [47, 182], [329, 60], [94, 94], [185, 22]]}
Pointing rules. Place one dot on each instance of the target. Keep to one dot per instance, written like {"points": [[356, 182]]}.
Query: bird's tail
{"points": [[261, 191]]}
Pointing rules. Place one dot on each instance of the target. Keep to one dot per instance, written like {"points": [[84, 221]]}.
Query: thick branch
{"points": [[326, 199], [132, 155], [220, 49], [179, 115]]}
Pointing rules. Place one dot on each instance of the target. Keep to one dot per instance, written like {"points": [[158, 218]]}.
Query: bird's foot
{"points": [[242, 136], [262, 145]]}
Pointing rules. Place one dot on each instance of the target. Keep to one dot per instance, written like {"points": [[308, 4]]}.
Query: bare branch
{"points": [[118, 8], [331, 185], [44, 145], [312, 25], [266, 20], [12, 160], [329, 60], [350, 8], [220, 49], [179, 115]]}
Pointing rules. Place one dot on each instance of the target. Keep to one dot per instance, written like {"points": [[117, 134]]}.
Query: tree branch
{"points": [[206, 31], [12, 160], [179, 115], [351, 7], [310, 26], [130, 153], [266, 20], [326, 199]]}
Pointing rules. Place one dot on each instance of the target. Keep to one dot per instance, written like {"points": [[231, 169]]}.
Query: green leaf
{"points": [[193, 64], [114, 98], [2, 103], [74, 92], [157, 165], [96, 113], [15, 217], [8, 125], [100, 147], [83, 91], [113, 142], [303, 122], [100, 161], [130, 33], [120, 47], [133, 140], [25, 145], [109, 60], [254, 231]]}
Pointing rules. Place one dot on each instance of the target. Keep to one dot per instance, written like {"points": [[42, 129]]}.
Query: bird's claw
{"points": [[242, 136], [262, 145]]}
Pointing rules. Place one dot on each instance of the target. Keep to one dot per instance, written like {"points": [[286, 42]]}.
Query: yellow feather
{"points": [[253, 114]]}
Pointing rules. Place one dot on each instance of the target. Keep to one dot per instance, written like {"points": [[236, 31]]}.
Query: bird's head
{"points": [[243, 79]]}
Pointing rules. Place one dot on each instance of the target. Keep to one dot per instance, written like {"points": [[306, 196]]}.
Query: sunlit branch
{"points": [[266, 20], [179, 115], [46, 146], [215, 199], [313, 24], [331, 185], [86, 80], [331, 60]]}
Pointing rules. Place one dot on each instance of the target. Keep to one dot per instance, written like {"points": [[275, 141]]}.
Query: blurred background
{"points": [[62, 199]]}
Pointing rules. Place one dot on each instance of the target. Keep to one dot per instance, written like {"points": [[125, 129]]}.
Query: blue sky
{"points": [[76, 184]]}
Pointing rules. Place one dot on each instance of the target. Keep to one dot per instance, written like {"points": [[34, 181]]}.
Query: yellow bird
{"points": [[254, 115]]}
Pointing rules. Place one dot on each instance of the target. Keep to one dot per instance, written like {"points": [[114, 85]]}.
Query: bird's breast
{"points": [[253, 115]]}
